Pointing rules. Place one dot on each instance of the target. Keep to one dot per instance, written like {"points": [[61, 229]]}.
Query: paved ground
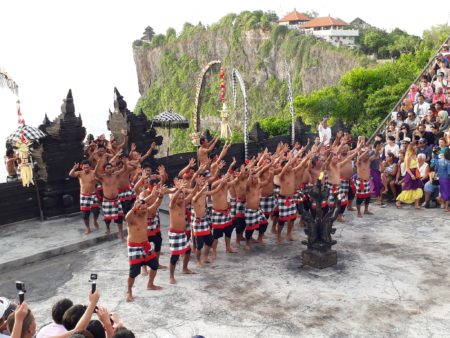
{"points": [[391, 280]]}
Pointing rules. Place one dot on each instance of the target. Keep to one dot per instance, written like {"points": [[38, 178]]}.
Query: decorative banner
{"points": [[291, 102], [222, 85], [199, 86], [235, 77], [23, 151], [8, 82]]}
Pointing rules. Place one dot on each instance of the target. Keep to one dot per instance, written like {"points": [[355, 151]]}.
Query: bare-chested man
{"points": [[205, 148], [220, 217], [267, 201], [88, 196], [347, 188], [239, 186], [254, 217], [111, 206], [140, 251], [126, 193], [11, 166], [363, 182], [200, 224], [286, 202], [178, 241]]}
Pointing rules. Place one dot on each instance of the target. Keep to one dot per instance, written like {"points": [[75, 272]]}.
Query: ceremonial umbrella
{"points": [[169, 119], [29, 132]]}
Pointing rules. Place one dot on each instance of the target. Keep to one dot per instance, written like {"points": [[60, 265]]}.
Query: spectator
{"points": [[443, 120], [391, 130], [443, 69], [443, 172], [426, 89], [421, 107], [73, 315], [324, 132], [400, 119], [424, 168], [413, 94], [6, 308], [389, 173], [440, 82], [11, 163], [405, 108], [391, 147], [437, 134], [124, 333], [423, 149], [439, 95], [56, 328], [421, 132], [404, 133]]}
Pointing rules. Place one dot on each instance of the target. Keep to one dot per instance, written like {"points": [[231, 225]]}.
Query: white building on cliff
{"points": [[334, 31]]}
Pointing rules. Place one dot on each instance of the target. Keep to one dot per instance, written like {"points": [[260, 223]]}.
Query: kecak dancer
{"points": [[111, 206], [140, 251], [127, 195], [205, 148], [178, 241], [88, 195], [254, 217], [200, 224], [362, 182]]}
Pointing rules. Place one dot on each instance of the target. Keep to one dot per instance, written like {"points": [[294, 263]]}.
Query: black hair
{"points": [[59, 308], [376, 143], [392, 138], [107, 164], [96, 328], [124, 333], [100, 145], [72, 316], [120, 162], [9, 152], [447, 154], [146, 165], [84, 162]]}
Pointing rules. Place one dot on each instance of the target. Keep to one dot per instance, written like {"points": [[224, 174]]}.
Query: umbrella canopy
{"points": [[170, 119], [30, 133]]}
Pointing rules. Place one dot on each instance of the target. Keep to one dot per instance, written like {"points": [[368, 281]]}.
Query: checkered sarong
{"points": [[188, 217], [240, 208], [267, 204], [139, 253], [333, 188], [220, 219], [178, 242], [127, 194], [112, 209], [88, 202], [287, 208], [200, 226], [233, 208], [276, 189], [362, 188], [343, 191], [153, 225], [253, 219]]}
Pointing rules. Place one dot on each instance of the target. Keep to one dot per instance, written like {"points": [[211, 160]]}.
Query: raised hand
{"points": [[76, 166]]}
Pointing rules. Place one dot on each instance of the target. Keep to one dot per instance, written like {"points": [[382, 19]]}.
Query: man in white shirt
{"points": [[56, 328], [421, 107], [324, 132]]}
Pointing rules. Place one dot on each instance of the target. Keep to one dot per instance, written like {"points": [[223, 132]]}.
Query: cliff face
{"points": [[168, 70]]}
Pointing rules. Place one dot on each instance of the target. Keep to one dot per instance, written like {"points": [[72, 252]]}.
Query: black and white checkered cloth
{"points": [[344, 189], [287, 209], [139, 253], [362, 188], [267, 204], [29, 132], [233, 208], [200, 226], [127, 194], [88, 202], [220, 219], [112, 209], [240, 209], [153, 225], [253, 219], [170, 119], [178, 242]]}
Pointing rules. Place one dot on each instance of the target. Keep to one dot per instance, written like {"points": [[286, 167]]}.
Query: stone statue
{"points": [[319, 228]]}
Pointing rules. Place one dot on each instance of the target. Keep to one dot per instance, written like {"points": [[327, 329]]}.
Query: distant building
{"points": [[360, 24], [294, 19], [334, 31]]}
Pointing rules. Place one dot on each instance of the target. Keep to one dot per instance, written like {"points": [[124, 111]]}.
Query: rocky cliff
{"points": [[169, 65]]}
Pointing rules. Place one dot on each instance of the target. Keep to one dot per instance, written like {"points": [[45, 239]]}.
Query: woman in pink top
{"points": [[439, 96], [413, 94]]}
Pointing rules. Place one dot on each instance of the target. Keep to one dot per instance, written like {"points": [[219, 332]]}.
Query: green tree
{"points": [[171, 35]]}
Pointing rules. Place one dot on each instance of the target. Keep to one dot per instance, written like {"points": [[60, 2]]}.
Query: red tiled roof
{"points": [[295, 16], [326, 21]]}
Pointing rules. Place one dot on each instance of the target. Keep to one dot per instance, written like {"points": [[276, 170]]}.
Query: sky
{"points": [[50, 46]]}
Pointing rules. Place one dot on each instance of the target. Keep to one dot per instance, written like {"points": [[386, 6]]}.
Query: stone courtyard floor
{"points": [[392, 280]]}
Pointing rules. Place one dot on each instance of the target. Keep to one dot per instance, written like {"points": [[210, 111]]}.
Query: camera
{"points": [[93, 281], [20, 286]]}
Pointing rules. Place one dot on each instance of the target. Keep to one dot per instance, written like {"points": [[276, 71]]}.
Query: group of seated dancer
{"points": [[208, 202]]}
